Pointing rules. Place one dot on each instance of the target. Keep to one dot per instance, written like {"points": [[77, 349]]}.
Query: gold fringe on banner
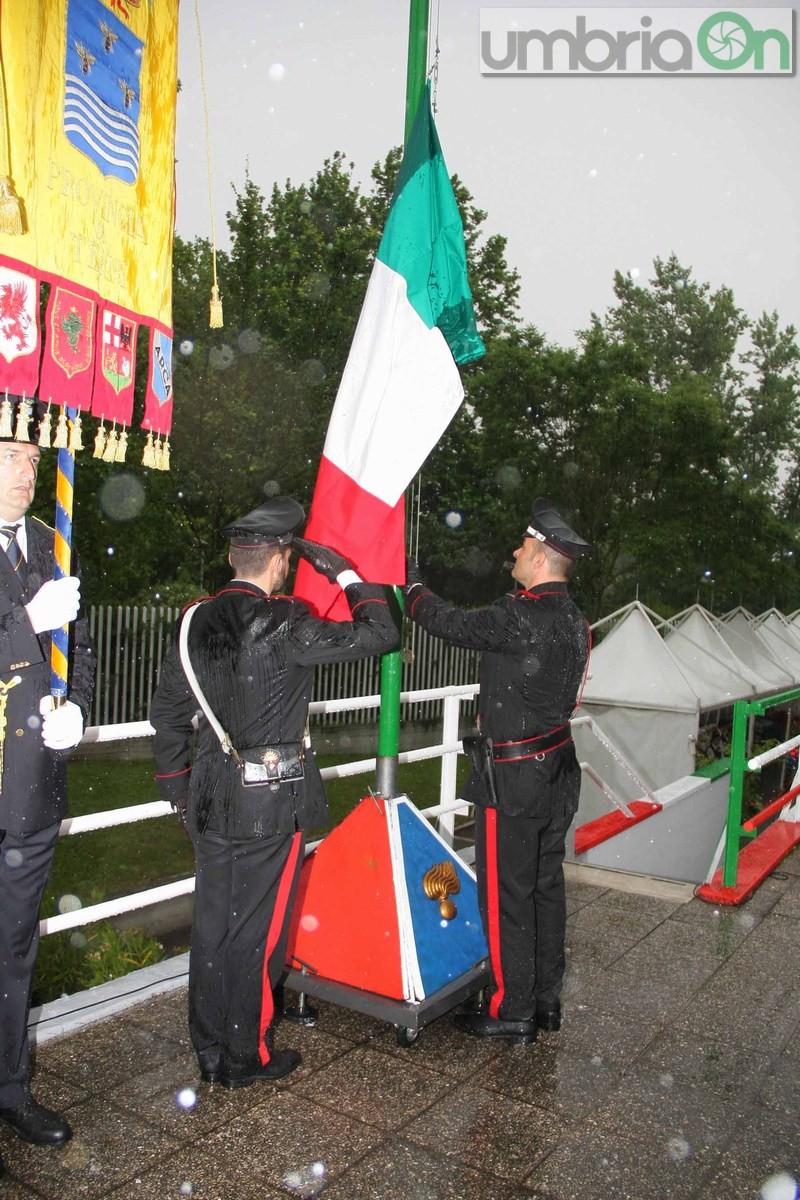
{"points": [[6, 418], [61, 439], [215, 308], [24, 411], [122, 446], [148, 455], [76, 434], [112, 441], [46, 428], [99, 441], [165, 453]]}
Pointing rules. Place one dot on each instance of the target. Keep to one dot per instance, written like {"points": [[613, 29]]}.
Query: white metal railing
{"points": [[444, 813]]}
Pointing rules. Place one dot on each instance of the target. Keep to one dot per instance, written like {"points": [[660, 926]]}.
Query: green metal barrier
{"points": [[734, 830]]}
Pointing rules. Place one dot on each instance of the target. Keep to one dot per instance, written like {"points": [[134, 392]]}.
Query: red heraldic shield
{"points": [[158, 397], [114, 367], [19, 331], [69, 349]]}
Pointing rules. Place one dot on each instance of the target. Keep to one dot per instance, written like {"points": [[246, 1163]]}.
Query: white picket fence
{"points": [[131, 641]]}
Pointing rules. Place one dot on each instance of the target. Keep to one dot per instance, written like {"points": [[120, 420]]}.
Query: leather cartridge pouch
{"points": [[478, 750], [271, 765]]}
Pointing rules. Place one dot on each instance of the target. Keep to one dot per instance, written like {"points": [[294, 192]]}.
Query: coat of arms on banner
{"points": [[71, 331], [117, 350], [161, 367], [101, 95], [19, 326]]}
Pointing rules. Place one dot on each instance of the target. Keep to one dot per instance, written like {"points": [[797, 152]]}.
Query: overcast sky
{"points": [[583, 175]]}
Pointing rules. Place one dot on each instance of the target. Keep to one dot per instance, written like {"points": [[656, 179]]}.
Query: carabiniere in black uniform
{"points": [[535, 644], [254, 654]]}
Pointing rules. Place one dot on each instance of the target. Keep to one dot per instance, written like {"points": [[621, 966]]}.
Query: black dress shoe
{"points": [[549, 1019], [34, 1123], [482, 1026], [210, 1067], [281, 1062]]}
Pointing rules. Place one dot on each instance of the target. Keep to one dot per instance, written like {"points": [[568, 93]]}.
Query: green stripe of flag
{"points": [[423, 240]]}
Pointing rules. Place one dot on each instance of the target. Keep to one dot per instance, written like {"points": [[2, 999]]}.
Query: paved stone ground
{"points": [[676, 1075]]}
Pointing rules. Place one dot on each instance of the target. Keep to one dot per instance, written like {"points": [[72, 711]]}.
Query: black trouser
{"points": [[25, 861], [519, 864], [244, 892]]}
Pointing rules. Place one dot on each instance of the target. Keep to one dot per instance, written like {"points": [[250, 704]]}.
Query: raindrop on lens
{"points": [[186, 1098], [507, 477], [277, 73], [122, 497], [68, 903], [14, 858], [187, 1188], [453, 520], [249, 341], [271, 488], [779, 1187], [186, 347], [678, 1149]]}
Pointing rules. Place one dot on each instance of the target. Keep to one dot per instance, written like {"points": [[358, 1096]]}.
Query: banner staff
{"points": [[65, 478], [392, 664]]}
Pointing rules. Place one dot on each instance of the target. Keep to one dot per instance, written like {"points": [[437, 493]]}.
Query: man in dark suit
{"points": [[526, 784], [253, 651], [33, 785]]}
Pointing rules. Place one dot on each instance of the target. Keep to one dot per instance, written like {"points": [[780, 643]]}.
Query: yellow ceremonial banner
{"points": [[89, 93]]}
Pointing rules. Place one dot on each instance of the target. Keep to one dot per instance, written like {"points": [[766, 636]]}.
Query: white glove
{"points": [[62, 727], [55, 604]]}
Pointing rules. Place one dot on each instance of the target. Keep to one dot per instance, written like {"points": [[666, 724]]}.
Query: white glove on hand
{"points": [[62, 727], [55, 604]]}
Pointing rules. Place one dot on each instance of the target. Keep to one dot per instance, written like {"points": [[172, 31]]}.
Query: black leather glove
{"points": [[328, 562], [413, 573], [413, 577]]}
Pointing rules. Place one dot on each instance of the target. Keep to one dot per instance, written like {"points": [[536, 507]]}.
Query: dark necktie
{"points": [[13, 549]]}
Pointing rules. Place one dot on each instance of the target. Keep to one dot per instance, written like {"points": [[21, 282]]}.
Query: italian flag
{"points": [[400, 387]]}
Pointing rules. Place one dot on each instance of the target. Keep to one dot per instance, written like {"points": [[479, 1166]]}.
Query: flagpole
{"points": [[391, 664]]}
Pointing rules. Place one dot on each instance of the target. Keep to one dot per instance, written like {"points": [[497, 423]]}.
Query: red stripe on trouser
{"points": [[273, 933], [493, 912]]}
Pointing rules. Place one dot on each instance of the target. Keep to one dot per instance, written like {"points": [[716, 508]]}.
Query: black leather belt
{"points": [[532, 747]]}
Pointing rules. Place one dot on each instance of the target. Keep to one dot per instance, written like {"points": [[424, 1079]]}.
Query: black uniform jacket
{"points": [[254, 656], [34, 779], [535, 649]]}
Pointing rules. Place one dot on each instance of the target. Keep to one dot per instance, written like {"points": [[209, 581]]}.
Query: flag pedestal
{"points": [[386, 920]]}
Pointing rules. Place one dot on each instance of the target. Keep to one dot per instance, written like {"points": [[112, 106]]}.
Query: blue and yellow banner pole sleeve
{"points": [[59, 652]]}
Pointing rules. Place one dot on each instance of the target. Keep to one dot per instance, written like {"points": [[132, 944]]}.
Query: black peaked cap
{"points": [[547, 525], [275, 521]]}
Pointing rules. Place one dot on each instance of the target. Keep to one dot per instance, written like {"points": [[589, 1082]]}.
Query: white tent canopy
{"points": [[646, 692]]}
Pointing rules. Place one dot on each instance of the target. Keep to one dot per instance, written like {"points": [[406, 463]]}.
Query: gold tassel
{"points": [[61, 439], [122, 446], [21, 431], [215, 309], [12, 215], [11, 218], [147, 453], [76, 434], [99, 441], [110, 452], [6, 418], [165, 452], [46, 428]]}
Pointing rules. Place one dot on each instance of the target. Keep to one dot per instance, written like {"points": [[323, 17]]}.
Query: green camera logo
{"points": [[727, 41]]}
